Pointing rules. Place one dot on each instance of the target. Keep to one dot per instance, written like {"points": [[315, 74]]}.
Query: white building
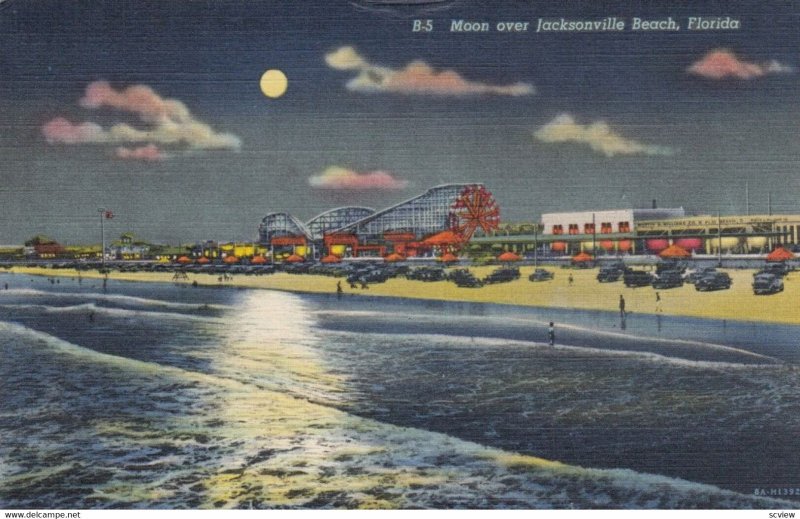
{"points": [[611, 230], [610, 221]]}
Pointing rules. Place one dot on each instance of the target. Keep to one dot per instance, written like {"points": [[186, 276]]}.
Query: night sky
{"points": [[153, 109]]}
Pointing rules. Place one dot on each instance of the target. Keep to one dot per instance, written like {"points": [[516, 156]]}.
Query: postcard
{"points": [[399, 254]]}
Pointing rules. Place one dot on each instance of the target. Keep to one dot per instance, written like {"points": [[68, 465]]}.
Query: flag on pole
{"points": [[109, 215]]}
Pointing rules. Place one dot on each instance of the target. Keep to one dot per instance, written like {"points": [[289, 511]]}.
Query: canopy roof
{"points": [[258, 260], [444, 238], [330, 258], [581, 257], [183, 259], [394, 257], [674, 251], [231, 259], [780, 254], [294, 258], [203, 260], [508, 256]]}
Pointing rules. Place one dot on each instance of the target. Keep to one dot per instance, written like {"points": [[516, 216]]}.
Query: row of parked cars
{"points": [[667, 275], [465, 278], [768, 280]]}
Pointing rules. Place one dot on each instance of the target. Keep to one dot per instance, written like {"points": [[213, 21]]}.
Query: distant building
{"points": [[128, 247], [43, 247]]}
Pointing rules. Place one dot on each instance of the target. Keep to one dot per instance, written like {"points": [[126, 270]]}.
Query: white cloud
{"points": [[598, 136]]}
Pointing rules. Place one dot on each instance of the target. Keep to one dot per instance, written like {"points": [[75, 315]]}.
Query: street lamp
{"points": [[105, 214]]}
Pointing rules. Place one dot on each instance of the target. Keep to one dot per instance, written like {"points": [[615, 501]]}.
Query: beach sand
{"points": [[737, 303]]}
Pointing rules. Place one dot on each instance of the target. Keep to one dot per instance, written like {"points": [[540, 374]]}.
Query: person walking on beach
{"points": [[551, 334], [339, 290], [658, 303], [621, 306], [570, 280]]}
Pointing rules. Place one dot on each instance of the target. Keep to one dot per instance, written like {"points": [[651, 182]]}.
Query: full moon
{"points": [[274, 83]]}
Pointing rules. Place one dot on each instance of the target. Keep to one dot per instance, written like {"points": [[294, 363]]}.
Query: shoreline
{"points": [[585, 293]]}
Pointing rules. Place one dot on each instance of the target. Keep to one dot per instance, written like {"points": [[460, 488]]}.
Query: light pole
{"points": [[719, 240], [102, 212]]}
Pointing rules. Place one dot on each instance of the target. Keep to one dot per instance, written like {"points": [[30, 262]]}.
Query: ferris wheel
{"points": [[475, 208]]}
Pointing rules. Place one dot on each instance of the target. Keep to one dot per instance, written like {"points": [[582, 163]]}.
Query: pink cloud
{"points": [[419, 77], [415, 78], [166, 122], [722, 63], [138, 99], [150, 153], [345, 179], [61, 131]]}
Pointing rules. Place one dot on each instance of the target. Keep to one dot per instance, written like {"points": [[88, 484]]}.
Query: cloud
{"points": [[722, 64], [345, 58], [598, 136], [415, 78], [338, 178], [166, 122], [138, 99], [61, 131], [150, 153]]}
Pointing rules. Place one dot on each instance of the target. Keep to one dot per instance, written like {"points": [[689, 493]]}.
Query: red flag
{"points": [[109, 215]]}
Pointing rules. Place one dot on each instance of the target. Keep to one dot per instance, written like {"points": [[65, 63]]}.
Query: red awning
{"points": [[258, 260], [448, 258], [294, 258], [203, 260], [231, 260], [330, 258], [184, 260]]}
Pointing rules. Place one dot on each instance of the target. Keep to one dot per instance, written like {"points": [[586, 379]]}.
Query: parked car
{"points": [[777, 269], [713, 281], [698, 273], [427, 274], [670, 265], [502, 275], [465, 278], [541, 275], [668, 279], [610, 273], [767, 284], [637, 278]]}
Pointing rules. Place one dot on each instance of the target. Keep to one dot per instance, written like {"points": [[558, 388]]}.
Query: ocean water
{"points": [[167, 396]]}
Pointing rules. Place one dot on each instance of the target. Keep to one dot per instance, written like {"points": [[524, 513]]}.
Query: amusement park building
{"points": [[648, 231], [734, 234], [610, 230], [401, 228]]}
